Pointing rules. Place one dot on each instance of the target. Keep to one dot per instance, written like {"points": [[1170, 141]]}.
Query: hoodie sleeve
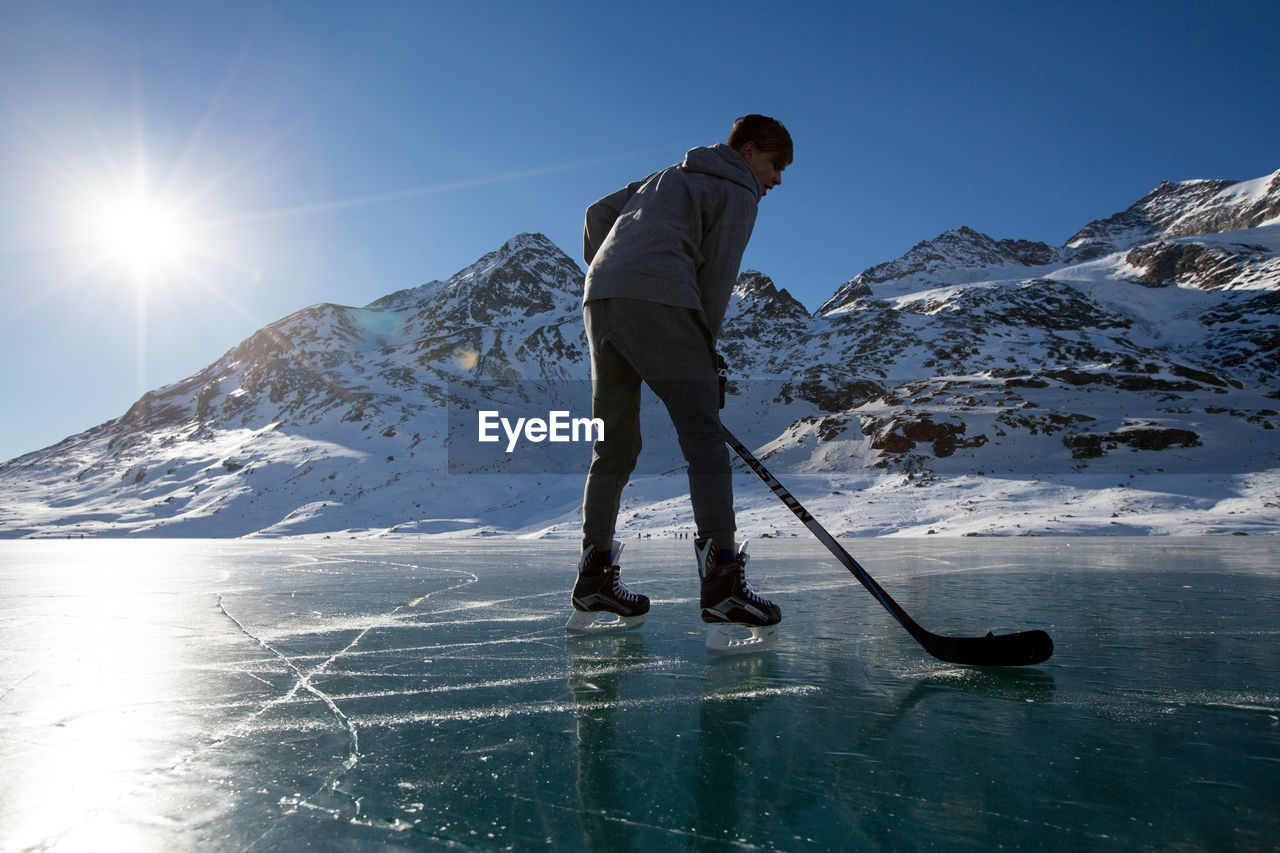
{"points": [[724, 241], [601, 216]]}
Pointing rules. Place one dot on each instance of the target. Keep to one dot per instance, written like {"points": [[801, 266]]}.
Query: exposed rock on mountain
{"points": [[1209, 266]]}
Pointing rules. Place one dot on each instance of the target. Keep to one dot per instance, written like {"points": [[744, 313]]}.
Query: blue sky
{"points": [[336, 152]]}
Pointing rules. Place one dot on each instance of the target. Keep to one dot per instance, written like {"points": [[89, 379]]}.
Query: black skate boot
{"points": [[601, 602], [729, 601]]}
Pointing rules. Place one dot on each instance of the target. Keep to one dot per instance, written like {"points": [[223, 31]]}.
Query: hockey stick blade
{"points": [[1024, 648]]}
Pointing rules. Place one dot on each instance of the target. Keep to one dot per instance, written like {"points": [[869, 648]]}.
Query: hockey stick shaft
{"points": [[1023, 648]]}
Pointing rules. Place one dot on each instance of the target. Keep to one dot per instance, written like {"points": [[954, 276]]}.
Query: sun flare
{"points": [[140, 232]]}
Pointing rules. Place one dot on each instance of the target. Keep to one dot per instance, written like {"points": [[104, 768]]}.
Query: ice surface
{"points": [[201, 695]]}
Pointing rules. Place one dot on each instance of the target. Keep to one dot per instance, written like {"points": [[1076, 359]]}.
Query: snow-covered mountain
{"points": [[1182, 210], [1122, 381], [332, 418]]}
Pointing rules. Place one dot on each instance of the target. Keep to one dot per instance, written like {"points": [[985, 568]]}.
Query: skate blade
{"points": [[722, 641], [601, 622]]}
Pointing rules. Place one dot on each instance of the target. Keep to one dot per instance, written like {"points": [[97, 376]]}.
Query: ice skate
{"points": [[738, 619], [601, 602]]}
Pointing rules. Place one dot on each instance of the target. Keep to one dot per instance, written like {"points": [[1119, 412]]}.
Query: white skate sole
{"points": [[722, 639], [601, 622]]}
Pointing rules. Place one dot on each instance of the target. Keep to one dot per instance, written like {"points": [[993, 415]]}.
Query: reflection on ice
{"points": [[236, 695]]}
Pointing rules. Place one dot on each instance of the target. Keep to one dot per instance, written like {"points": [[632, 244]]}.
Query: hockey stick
{"points": [[1021, 649]]}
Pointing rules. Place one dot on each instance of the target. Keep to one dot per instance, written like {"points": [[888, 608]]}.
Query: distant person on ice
{"points": [[664, 254]]}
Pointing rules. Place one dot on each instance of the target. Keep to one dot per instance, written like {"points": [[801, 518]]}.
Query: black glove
{"points": [[722, 368]]}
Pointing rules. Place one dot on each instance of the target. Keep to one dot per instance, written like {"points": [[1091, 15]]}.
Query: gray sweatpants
{"points": [[671, 350]]}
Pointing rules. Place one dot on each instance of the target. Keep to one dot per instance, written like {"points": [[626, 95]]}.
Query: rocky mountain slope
{"points": [[1121, 382]]}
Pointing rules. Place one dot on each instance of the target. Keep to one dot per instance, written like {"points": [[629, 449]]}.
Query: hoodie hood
{"points": [[721, 161], [677, 237]]}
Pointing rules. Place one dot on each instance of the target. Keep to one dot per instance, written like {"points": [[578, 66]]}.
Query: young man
{"points": [[664, 254]]}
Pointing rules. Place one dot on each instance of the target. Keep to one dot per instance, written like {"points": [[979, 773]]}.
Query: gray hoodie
{"points": [[676, 237]]}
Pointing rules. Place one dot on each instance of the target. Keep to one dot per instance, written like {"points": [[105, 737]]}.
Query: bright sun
{"points": [[140, 232]]}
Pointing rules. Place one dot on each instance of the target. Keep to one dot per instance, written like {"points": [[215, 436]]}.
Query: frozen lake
{"points": [[237, 695]]}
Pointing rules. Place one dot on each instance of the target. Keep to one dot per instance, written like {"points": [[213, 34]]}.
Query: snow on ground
{"points": [[854, 502], [900, 506]]}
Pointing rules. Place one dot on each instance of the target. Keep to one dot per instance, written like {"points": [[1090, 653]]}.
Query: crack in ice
{"points": [[303, 682]]}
